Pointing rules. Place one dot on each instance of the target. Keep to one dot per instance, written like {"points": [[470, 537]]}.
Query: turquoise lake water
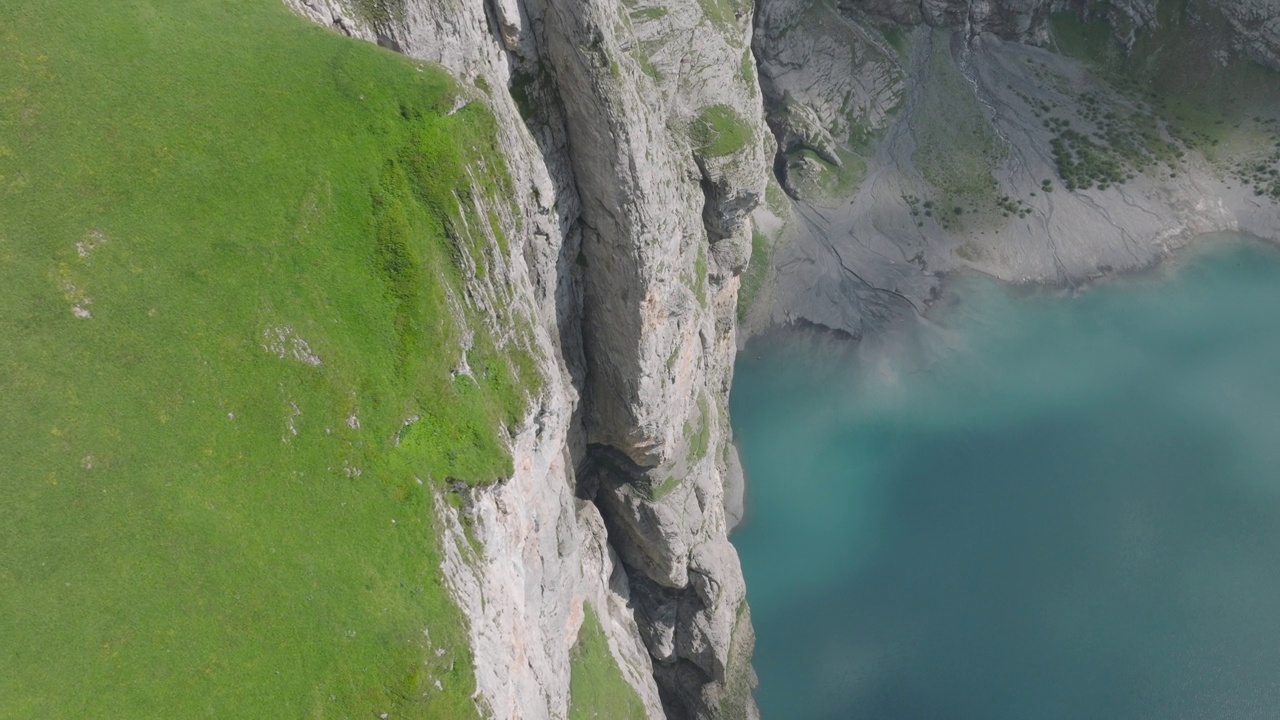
{"points": [[1032, 506]]}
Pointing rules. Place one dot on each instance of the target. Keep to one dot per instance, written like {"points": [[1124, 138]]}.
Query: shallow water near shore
{"points": [[1032, 505]]}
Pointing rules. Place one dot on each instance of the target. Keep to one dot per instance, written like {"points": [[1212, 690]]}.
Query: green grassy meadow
{"points": [[597, 690], [231, 245]]}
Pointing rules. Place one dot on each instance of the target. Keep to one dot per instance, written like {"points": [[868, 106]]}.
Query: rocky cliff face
{"points": [[1255, 24], [639, 157]]}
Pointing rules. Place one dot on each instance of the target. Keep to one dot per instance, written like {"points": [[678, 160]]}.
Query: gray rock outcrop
{"points": [[1256, 24]]}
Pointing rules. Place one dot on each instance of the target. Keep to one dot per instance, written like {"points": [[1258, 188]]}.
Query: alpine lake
{"points": [[1030, 504]]}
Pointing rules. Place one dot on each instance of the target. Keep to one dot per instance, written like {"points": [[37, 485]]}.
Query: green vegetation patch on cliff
{"points": [[736, 693], [822, 182], [233, 249], [597, 690], [956, 146], [649, 13], [719, 131], [699, 440], [723, 15]]}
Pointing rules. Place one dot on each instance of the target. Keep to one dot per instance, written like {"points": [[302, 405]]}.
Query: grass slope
{"points": [[597, 689], [957, 149], [230, 252]]}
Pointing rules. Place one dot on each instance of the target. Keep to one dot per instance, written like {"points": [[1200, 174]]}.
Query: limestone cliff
{"points": [[638, 156]]}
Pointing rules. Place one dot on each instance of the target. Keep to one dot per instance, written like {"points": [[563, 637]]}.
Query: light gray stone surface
{"points": [[334, 14]]}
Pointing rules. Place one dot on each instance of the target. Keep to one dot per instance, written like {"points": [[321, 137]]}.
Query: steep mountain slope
{"points": [[963, 123]]}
